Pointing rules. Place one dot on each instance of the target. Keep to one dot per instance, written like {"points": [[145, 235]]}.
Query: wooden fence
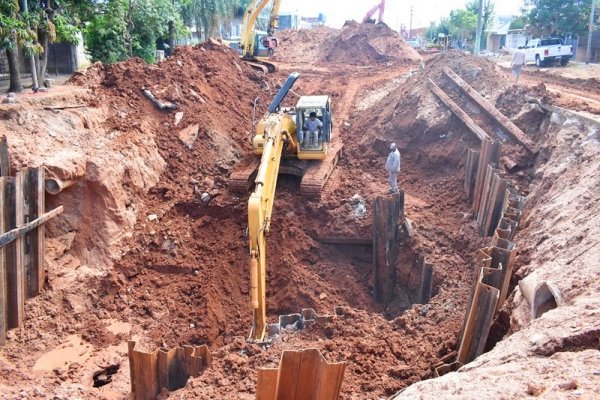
{"points": [[22, 219]]}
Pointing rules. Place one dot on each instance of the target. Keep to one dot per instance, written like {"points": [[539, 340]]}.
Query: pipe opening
{"points": [[545, 299]]}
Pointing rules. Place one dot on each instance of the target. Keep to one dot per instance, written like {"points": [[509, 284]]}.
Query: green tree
{"points": [[518, 22], [105, 34], [15, 34], [489, 8], [435, 29], [127, 28], [463, 23], [558, 17], [54, 23], [209, 14]]}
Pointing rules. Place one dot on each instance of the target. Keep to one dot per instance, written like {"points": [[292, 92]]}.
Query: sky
{"points": [[396, 11]]}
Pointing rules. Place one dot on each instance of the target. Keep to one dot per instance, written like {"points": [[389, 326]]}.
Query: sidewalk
{"points": [[58, 80]]}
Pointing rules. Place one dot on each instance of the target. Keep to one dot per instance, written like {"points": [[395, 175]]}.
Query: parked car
{"points": [[547, 50]]}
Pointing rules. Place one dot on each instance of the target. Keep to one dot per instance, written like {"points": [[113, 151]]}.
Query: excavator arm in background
{"points": [[279, 128], [248, 43], [372, 11]]}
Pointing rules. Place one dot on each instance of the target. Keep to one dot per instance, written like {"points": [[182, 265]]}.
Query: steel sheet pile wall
{"points": [[164, 368], [21, 239], [302, 375], [500, 211]]}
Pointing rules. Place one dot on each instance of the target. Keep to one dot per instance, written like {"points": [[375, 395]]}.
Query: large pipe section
{"points": [[54, 185]]}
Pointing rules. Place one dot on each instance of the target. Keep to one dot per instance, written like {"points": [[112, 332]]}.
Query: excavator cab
{"points": [[313, 145]]}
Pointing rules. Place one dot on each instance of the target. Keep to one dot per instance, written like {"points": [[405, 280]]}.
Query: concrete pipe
{"points": [[55, 186]]}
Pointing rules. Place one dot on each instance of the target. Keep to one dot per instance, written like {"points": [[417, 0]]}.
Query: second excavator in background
{"points": [[369, 16], [257, 46], [278, 140]]}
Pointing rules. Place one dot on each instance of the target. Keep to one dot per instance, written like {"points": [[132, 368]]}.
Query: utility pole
{"points": [[477, 48], [410, 25], [34, 76], [588, 55]]}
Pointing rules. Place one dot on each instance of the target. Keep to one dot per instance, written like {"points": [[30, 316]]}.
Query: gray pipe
{"points": [[55, 186]]}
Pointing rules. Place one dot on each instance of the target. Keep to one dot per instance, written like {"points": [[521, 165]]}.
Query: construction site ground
{"points": [[141, 253]]}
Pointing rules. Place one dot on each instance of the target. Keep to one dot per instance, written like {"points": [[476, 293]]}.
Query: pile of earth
{"points": [[303, 45], [412, 116], [361, 44], [356, 44]]}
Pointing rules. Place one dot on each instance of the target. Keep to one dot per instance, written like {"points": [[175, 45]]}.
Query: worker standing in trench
{"points": [[392, 165]]}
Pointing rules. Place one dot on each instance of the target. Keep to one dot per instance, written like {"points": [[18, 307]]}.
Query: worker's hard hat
{"points": [[393, 146]]}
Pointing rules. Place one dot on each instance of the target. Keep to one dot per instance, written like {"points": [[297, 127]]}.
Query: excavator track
{"points": [[314, 173], [242, 179], [319, 172]]}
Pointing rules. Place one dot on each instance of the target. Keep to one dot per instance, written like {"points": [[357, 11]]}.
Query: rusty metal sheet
{"points": [[164, 368], [489, 154], [471, 172], [517, 134], [477, 323], [460, 114], [302, 375]]}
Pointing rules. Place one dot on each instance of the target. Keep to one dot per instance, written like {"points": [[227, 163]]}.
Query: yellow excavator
{"points": [[278, 140], [256, 46]]}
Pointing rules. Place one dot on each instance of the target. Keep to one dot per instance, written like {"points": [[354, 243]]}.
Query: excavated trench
{"points": [[182, 278]]}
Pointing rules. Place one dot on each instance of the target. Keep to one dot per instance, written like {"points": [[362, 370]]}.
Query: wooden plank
{"points": [[14, 233], [33, 241], [4, 157], [517, 134], [3, 288], [456, 110], [15, 274]]}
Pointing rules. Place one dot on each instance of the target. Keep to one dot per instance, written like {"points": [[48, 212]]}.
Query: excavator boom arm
{"points": [[372, 11], [260, 207]]}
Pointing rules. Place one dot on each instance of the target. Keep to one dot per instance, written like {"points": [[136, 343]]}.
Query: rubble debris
{"points": [[163, 105]]}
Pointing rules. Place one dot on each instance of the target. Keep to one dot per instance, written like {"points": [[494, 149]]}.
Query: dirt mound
{"points": [[369, 44], [304, 45], [412, 113], [357, 44]]}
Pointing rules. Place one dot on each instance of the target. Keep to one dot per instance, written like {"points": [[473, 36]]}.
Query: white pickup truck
{"points": [[546, 51]]}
